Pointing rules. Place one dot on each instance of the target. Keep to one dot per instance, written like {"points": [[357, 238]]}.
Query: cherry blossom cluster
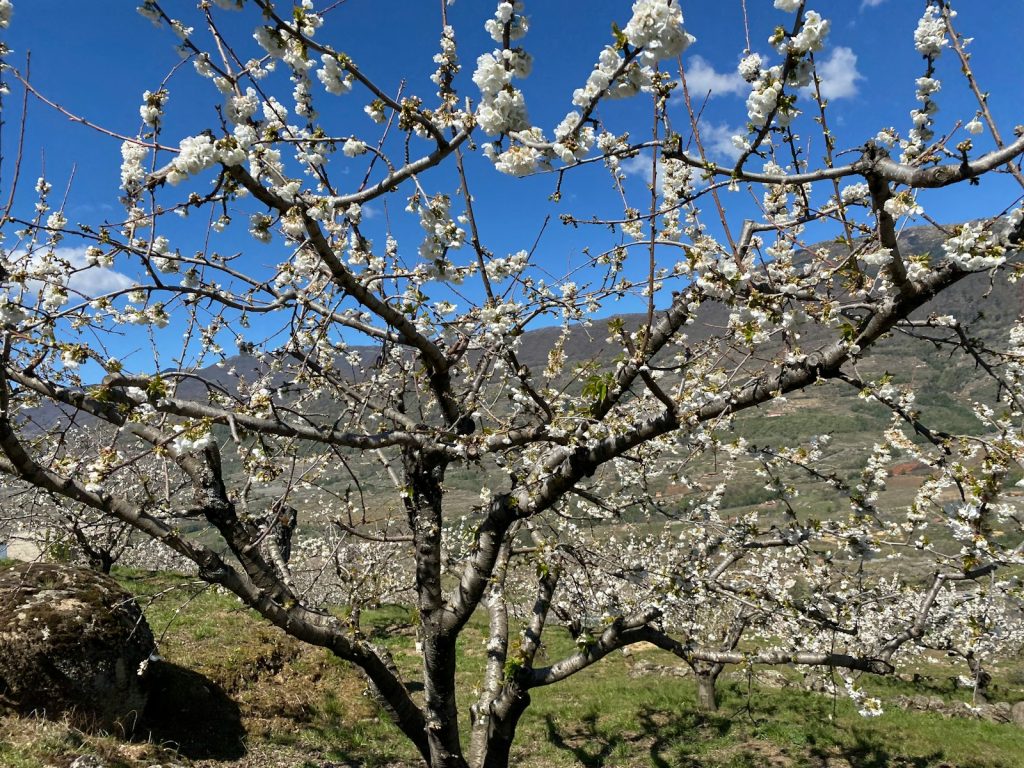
{"points": [[768, 100], [929, 40], [654, 33]]}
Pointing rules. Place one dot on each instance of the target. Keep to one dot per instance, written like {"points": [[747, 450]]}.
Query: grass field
{"points": [[238, 693]]}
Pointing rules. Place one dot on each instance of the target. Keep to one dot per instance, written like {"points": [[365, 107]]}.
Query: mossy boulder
{"points": [[72, 643], [1017, 714]]}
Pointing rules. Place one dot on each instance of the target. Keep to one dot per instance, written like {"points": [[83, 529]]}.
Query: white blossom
{"points": [[573, 142], [764, 97], [56, 220], [270, 41], [229, 152], [241, 108], [185, 443], [335, 80], [132, 172], [518, 161], [353, 148], [602, 79], [10, 313], [491, 75], [974, 248], [152, 107], [750, 67], [503, 15], [880, 258], [854, 193], [196, 154], [811, 36], [926, 86], [903, 204], [503, 113], [657, 27], [930, 35]]}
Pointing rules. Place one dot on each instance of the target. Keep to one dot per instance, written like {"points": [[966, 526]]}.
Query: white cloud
{"points": [[839, 74], [87, 280], [871, 3], [638, 165], [92, 281], [702, 77], [717, 139], [96, 281]]}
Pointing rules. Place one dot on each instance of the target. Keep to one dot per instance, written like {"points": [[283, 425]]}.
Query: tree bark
{"points": [[104, 563], [982, 679], [425, 479], [442, 713], [707, 695], [500, 725]]}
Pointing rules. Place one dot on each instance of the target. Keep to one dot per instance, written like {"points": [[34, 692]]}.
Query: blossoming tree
{"points": [[401, 360]]}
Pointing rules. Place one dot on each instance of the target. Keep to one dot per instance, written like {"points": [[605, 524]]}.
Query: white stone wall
{"points": [[22, 549]]}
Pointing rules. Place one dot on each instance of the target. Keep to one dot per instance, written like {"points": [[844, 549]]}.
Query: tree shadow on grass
{"points": [[668, 736], [588, 746], [677, 736], [868, 751], [769, 731], [855, 745], [367, 743], [191, 714]]}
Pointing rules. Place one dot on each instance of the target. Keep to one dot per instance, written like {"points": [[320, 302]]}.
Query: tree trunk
{"points": [[499, 747], [982, 679], [501, 731], [106, 563], [425, 479], [439, 692], [707, 696]]}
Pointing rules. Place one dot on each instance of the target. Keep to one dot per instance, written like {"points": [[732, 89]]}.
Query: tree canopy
{"points": [[324, 347]]}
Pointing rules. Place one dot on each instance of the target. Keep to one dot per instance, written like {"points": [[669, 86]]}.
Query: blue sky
{"points": [[96, 59]]}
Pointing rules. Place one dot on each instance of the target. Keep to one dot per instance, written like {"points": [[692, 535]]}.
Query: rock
{"points": [[817, 681], [772, 678], [644, 668], [88, 761], [72, 643], [999, 712], [1017, 714]]}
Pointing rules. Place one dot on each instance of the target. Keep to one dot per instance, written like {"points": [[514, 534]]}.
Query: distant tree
{"points": [[373, 374], [61, 529]]}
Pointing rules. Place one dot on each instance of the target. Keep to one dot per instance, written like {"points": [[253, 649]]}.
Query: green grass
{"points": [[607, 716], [243, 680]]}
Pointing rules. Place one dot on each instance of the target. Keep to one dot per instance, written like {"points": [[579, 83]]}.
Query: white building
{"points": [[19, 548]]}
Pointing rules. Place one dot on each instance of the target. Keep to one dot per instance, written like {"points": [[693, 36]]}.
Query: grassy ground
{"points": [[237, 693]]}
